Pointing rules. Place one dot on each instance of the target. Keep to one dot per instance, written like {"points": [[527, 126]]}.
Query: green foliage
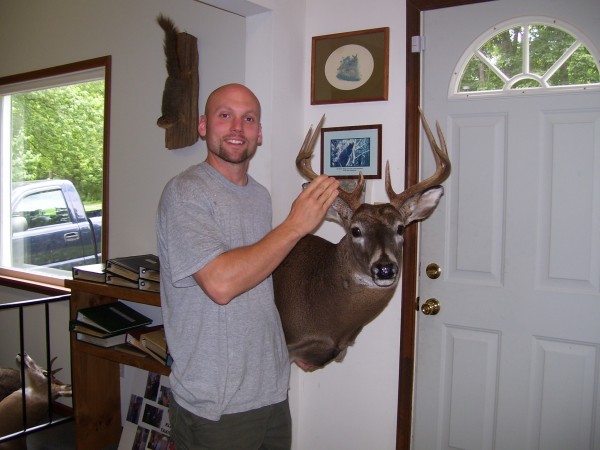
{"points": [[546, 45], [58, 133]]}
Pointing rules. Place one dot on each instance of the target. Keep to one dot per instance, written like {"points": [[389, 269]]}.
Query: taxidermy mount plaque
{"points": [[180, 97]]}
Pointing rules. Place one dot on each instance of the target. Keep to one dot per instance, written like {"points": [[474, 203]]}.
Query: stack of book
{"points": [[137, 272], [152, 341], [107, 325]]}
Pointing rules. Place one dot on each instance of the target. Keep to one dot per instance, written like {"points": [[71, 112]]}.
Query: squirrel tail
{"points": [[170, 45], [174, 91]]}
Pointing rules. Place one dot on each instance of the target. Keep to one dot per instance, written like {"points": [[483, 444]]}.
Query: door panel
{"points": [[482, 191]]}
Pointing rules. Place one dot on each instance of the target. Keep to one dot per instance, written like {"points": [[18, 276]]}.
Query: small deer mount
{"points": [[180, 97], [41, 386]]}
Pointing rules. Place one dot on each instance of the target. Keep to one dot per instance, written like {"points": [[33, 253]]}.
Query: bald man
{"points": [[230, 375]]}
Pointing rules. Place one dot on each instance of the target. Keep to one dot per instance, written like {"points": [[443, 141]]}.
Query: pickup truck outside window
{"points": [[50, 227]]}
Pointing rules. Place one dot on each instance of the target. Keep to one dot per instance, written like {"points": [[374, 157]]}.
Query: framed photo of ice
{"points": [[348, 151], [350, 67]]}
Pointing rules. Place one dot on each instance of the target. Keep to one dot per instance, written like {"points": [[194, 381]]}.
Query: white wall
{"points": [[350, 405], [345, 406]]}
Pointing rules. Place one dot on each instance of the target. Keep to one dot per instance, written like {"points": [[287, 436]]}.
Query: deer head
{"points": [[374, 232], [36, 397], [36, 379], [327, 292]]}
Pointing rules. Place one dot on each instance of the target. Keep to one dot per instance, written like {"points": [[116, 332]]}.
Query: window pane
{"points": [[526, 83], [505, 50], [580, 68], [479, 77], [546, 45], [56, 156]]}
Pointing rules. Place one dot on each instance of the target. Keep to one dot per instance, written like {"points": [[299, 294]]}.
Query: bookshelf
{"points": [[95, 370]]}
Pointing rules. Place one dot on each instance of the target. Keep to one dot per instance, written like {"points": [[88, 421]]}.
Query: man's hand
{"points": [[310, 207]]}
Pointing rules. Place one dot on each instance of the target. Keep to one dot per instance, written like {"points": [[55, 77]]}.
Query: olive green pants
{"points": [[267, 428]]}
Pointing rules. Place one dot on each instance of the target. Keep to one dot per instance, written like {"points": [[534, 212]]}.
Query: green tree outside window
{"points": [[57, 133]]}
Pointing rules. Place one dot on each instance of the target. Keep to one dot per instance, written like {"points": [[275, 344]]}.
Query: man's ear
{"points": [[202, 126], [259, 134]]}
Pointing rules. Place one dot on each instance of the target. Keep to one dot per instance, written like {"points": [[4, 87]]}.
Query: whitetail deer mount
{"points": [[326, 293], [36, 396]]}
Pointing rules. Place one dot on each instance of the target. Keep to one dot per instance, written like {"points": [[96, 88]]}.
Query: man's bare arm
{"points": [[240, 269]]}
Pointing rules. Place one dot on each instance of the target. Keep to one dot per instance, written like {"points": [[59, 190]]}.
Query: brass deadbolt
{"points": [[433, 271]]}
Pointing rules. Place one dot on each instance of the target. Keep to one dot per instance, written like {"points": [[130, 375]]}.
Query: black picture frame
{"points": [[346, 152]]}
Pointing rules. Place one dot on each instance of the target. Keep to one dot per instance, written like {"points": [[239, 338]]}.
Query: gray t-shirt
{"points": [[227, 358]]}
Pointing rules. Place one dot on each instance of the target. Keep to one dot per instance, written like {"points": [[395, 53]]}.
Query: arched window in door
{"points": [[525, 56]]}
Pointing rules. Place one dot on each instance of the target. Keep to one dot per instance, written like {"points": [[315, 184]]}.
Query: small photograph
{"points": [[152, 385], [353, 152], [153, 415], [348, 152], [159, 441], [135, 406], [163, 397], [141, 437]]}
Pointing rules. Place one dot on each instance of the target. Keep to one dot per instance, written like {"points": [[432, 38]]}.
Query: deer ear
{"points": [[421, 205], [339, 212]]}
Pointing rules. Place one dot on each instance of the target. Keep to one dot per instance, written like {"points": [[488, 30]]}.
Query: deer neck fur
{"points": [[341, 297]]}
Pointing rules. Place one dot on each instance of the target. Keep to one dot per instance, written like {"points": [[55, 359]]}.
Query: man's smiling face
{"points": [[231, 124]]}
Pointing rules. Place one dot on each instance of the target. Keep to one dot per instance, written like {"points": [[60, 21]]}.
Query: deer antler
{"points": [[305, 167], [303, 159], [442, 171]]}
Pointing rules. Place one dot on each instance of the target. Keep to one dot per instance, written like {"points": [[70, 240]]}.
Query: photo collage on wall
{"points": [[147, 425]]}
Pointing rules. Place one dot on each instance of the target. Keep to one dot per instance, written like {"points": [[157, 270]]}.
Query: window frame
{"points": [[453, 88], [22, 279]]}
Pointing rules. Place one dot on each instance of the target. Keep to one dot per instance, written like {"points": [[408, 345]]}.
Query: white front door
{"points": [[512, 360]]}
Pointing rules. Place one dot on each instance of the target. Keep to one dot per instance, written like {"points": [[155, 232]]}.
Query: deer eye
{"points": [[400, 230], [356, 232]]}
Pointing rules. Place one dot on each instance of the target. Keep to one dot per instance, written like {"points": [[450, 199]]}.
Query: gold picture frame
{"points": [[350, 67]]}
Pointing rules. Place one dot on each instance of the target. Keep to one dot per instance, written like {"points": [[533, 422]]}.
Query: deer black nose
{"points": [[384, 271]]}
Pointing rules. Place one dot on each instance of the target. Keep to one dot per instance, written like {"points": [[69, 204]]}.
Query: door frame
{"points": [[412, 159]]}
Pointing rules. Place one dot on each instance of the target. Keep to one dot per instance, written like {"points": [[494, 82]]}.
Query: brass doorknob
{"points": [[433, 271], [431, 307]]}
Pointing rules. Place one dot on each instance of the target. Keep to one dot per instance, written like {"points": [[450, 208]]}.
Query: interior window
{"points": [[53, 149], [526, 56]]}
